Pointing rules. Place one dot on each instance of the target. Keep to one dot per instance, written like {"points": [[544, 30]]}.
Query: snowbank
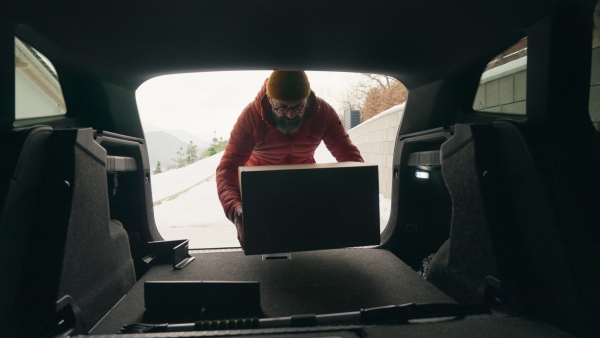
{"points": [[174, 181]]}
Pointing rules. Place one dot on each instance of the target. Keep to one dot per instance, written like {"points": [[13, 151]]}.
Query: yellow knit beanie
{"points": [[288, 86]]}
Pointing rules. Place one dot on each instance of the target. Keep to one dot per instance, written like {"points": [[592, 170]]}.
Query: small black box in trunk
{"points": [[212, 299]]}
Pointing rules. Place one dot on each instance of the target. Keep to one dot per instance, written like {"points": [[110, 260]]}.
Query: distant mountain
{"points": [[163, 147], [186, 137], [148, 127], [163, 144], [183, 135]]}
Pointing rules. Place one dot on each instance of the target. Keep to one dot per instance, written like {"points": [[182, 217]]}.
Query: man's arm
{"points": [[238, 150], [238, 220]]}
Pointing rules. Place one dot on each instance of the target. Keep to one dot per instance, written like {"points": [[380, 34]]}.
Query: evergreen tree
{"points": [[191, 153], [158, 169], [217, 145], [181, 160], [187, 156]]}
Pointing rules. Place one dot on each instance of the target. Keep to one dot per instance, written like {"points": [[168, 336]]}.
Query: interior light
{"points": [[421, 174]]}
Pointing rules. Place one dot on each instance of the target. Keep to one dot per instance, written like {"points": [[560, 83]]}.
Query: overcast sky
{"points": [[202, 103]]}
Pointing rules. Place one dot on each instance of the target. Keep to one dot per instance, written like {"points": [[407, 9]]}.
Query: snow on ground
{"points": [[176, 180], [187, 204]]}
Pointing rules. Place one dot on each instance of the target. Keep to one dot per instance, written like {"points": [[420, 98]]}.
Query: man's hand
{"points": [[239, 223]]}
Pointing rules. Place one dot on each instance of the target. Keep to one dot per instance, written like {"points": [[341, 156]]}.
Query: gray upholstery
{"points": [[22, 199], [463, 262], [55, 218], [484, 327], [97, 266], [552, 176], [525, 210], [310, 282]]}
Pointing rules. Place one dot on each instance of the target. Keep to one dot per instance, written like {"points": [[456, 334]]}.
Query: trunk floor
{"points": [[313, 282]]}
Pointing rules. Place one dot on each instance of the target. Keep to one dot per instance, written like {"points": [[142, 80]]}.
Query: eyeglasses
{"points": [[282, 110]]}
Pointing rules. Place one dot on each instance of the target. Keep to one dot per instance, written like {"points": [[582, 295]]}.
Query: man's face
{"points": [[288, 115]]}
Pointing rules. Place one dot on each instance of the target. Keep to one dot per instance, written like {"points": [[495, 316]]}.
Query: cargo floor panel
{"points": [[316, 282]]}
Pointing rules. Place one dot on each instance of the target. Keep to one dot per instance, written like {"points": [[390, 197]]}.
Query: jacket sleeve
{"points": [[238, 150], [336, 138]]}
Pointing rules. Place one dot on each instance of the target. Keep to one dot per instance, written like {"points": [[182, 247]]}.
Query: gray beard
{"points": [[287, 128]]}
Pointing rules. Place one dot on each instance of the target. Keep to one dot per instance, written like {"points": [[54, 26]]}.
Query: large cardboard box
{"points": [[309, 206]]}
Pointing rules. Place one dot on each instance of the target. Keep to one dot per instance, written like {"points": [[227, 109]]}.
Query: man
{"points": [[283, 125]]}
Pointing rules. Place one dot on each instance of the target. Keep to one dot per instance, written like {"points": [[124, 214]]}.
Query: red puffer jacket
{"points": [[255, 141]]}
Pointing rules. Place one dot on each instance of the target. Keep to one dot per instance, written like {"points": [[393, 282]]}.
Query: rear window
{"points": [[502, 88], [37, 90], [187, 119]]}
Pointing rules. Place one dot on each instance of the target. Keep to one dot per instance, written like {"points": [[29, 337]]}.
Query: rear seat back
{"points": [[56, 238], [524, 201], [553, 176], [97, 266], [467, 257], [22, 199]]}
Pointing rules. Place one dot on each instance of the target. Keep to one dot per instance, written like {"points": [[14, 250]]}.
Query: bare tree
{"points": [[372, 94], [353, 96], [389, 93]]}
